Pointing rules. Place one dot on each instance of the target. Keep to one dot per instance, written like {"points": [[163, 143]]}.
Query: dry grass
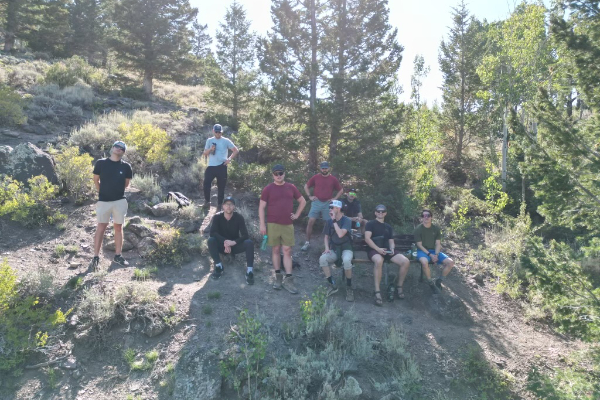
{"points": [[183, 96]]}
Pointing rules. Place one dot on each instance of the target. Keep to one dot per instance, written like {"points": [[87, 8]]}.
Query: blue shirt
{"points": [[221, 151]]}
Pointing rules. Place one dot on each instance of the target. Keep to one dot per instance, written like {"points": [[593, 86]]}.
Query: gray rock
{"points": [[26, 160], [146, 246], [139, 230], [190, 226], [70, 363], [351, 389], [36, 129], [161, 209], [11, 134], [197, 376], [135, 220], [127, 245], [154, 329]]}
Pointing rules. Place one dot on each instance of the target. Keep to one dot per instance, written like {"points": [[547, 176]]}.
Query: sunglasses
{"points": [[331, 207], [278, 173], [119, 147], [380, 211], [351, 194], [426, 215]]}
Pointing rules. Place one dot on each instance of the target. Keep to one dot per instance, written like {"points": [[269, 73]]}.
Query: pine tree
{"points": [[459, 57], [18, 17], [52, 30], [235, 56], [153, 37], [201, 40], [90, 20]]}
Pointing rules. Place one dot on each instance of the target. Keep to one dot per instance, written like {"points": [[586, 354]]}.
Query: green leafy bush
{"points": [[28, 205], [74, 70], [152, 144], [24, 323], [133, 92], [171, 248], [11, 107], [75, 170]]}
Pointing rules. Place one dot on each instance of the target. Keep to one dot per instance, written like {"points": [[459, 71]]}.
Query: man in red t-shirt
{"points": [[324, 185], [279, 197]]}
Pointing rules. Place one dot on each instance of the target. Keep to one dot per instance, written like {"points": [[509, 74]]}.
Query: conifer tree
{"points": [[51, 31], [90, 20], [153, 37], [235, 56], [17, 17], [201, 40]]}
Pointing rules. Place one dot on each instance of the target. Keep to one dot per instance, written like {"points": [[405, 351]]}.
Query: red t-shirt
{"points": [[324, 186], [280, 202]]}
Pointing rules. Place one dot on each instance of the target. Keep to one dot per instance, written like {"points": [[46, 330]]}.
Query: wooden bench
{"points": [[402, 243]]}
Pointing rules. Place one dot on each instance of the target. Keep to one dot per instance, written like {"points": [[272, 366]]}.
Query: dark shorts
{"points": [[387, 257]]}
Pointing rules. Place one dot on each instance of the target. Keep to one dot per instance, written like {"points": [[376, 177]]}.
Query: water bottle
{"points": [[263, 246], [413, 250], [358, 224]]}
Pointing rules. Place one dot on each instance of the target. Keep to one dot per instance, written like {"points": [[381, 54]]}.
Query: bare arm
{"points": [[337, 196], [340, 232], [307, 191], [261, 217], [127, 181], [97, 182], [234, 153], [326, 239], [298, 212], [421, 247]]}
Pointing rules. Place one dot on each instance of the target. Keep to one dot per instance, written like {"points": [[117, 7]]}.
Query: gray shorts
{"points": [[318, 209], [118, 210]]}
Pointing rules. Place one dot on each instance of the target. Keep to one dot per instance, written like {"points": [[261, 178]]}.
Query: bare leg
{"points": [[118, 238], [425, 264], [276, 257], [309, 228], [287, 259], [448, 265], [377, 270], [98, 238], [403, 265]]}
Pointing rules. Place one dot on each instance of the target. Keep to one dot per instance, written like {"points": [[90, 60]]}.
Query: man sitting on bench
{"points": [[380, 238], [429, 245], [352, 209], [338, 246]]}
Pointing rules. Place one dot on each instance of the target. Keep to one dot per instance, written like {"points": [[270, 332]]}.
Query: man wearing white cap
{"points": [[338, 247], [217, 149]]}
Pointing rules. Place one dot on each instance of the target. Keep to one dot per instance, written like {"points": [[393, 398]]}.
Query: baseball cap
{"points": [[380, 207], [278, 167], [336, 203], [217, 128], [120, 145], [229, 198], [324, 164]]}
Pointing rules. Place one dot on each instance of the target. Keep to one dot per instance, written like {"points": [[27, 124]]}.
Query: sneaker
{"points": [[249, 278], [305, 247], [95, 263], [217, 273], [278, 281], [331, 289], [434, 287], [349, 294], [438, 283], [288, 284], [120, 260]]}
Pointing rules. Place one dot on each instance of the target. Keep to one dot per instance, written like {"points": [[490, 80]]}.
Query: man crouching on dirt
{"points": [[111, 176], [229, 235]]}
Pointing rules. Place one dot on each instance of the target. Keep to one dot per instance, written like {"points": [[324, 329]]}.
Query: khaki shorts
{"points": [[280, 234], [118, 210]]}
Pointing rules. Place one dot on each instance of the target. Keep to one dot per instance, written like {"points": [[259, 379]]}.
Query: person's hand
{"points": [[227, 162], [331, 214], [294, 216], [381, 251], [229, 243], [434, 258], [263, 229], [227, 249], [312, 198], [327, 251]]}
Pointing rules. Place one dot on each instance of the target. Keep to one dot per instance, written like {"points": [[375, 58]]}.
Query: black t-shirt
{"points": [[112, 178], [233, 229], [379, 229], [351, 209]]}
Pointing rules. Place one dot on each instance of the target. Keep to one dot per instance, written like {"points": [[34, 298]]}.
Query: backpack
{"points": [[179, 198]]}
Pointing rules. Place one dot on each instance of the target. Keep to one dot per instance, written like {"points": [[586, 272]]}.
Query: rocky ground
{"points": [[441, 329]]}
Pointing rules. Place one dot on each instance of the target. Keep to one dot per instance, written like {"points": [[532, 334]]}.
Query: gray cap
{"points": [[229, 198], [324, 164], [381, 207]]}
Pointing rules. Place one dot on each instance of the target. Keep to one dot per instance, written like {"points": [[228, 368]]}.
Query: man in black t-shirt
{"points": [[229, 235], [379, 236], [352, 209], [111, 176]]}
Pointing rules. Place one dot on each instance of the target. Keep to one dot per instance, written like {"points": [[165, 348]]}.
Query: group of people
{"points": [[229, 234]]}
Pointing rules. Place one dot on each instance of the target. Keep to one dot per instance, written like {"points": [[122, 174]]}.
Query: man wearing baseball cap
{"points": [[217, 149], [379, 236], [338, 247], [326, 188], [229, 235], [111, 176], [278, 200], [352, 209]]}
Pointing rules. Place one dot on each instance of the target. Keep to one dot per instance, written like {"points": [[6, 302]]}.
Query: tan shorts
{"points": [[118, 210], [280, 234]]}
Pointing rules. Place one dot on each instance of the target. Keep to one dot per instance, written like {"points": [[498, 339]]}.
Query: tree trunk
{"points": [[504, 149], [338, 84], [12, 12], [148, 75], [312, 119]]}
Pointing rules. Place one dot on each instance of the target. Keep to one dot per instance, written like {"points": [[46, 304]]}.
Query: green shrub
{"points": [[24, 323], [133, 92], [11, 107], [171, 248], [73, 70], [151, 143], [75, 170], [147, 184], [29, 206], [24, 75], [478, 374]]}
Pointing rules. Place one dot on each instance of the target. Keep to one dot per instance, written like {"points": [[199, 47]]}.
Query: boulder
{"points": [[351, 389], [161, 209], [139, 230], [146, 246], [27, 160], [12, 134], [127, 245], [197, 376], [154, 328]]}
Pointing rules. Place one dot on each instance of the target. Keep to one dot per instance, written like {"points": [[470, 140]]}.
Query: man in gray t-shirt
{"points": [[217, 149]]}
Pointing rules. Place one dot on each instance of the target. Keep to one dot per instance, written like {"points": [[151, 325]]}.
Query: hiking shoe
{"points": [[331, 289], [438, 283], [120, 260], [288, 284], [349, 294], [278, 281], [434, 287], [95, 263], [305, 247], [250, 278], [217, 273]]}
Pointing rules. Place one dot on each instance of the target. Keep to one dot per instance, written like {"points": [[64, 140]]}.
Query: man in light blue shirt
{"points": [[217, 149]]}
